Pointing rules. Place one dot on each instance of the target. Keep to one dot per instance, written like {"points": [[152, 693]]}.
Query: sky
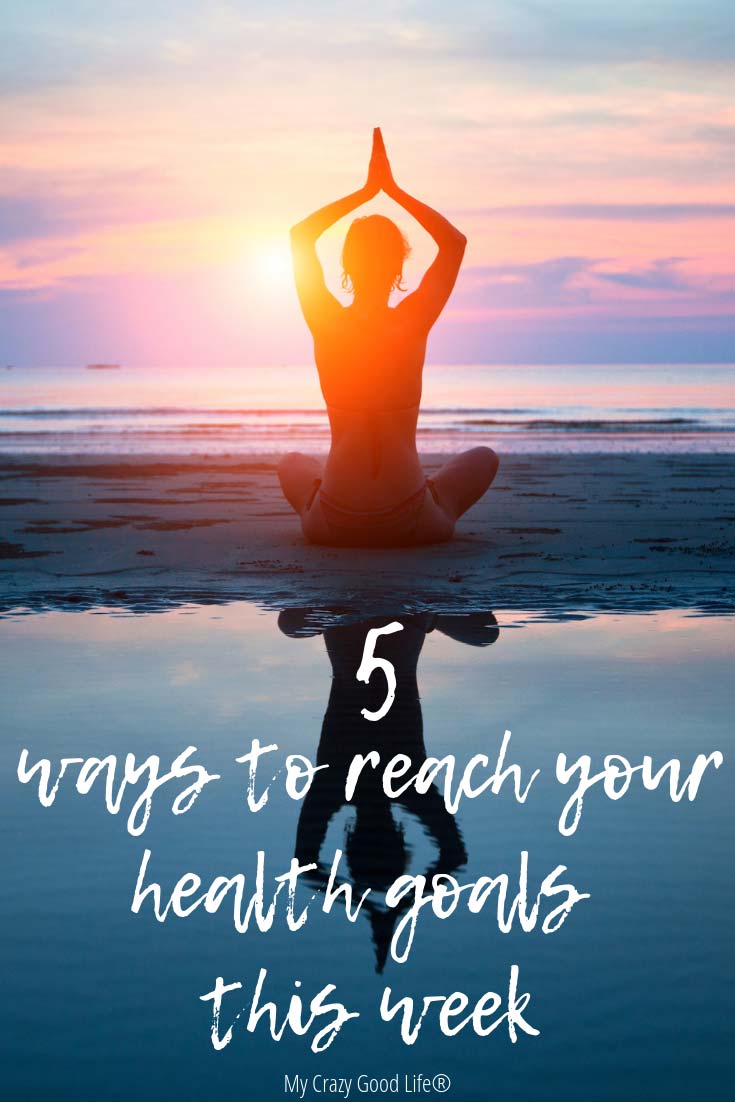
{"points": [[154, 155]]}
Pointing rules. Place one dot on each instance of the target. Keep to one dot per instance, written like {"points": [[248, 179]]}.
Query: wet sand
{"points": [[557, 533]]}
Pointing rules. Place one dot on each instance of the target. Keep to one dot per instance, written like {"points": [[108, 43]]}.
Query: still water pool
{"points": [[632, 995]]}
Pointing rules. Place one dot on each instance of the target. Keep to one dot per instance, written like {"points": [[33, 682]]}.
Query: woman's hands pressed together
{"points": [[380, 175]]}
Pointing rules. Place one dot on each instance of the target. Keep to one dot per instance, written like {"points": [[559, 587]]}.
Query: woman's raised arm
{"points": [[316, 301], [427, 302]]}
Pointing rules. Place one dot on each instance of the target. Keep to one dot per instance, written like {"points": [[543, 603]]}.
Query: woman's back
{"points": [[370, 364]]}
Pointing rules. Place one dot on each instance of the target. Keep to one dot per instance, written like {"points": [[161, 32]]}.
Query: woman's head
{"points": [[373, 256]]}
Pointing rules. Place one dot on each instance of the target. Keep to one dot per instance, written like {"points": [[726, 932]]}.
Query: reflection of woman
{"points": [[370, 358], [376, 848]]}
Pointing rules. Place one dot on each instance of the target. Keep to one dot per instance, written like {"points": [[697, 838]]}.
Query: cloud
{"points": [[22, 217], [617, 339], [716, 133], [555, 282], [48, 205], [663, 275], [572, 283], [589, 32], [51, 45], [609, 212]]}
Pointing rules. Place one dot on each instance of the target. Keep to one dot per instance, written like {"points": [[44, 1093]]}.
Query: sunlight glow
{"points": [[271, 262]]}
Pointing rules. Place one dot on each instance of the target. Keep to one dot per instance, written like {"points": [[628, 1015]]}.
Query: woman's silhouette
{"points": [[376, 848], [370, 357]]}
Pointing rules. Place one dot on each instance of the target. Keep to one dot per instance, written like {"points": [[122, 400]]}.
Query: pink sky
{"points": [[152, 167]]}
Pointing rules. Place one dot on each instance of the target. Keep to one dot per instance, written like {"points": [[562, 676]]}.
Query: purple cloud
{"points": [[609, 212]]}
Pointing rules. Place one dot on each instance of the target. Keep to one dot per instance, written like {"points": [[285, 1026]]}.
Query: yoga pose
{"points": [[370, 358], [377, 847]]}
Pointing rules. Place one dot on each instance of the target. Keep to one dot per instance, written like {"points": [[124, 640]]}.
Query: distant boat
{"points": [[103, 367]]}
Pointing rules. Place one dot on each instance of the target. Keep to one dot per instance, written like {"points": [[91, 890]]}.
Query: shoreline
{"points": [[555, 533]]}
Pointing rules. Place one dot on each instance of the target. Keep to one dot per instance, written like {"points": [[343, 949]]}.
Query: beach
{"points": [[555, 533], [288, 820]]}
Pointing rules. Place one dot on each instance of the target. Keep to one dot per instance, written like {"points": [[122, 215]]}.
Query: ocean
{"points": [[675, 408]]}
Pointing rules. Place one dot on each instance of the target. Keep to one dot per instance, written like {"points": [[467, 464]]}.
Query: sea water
{"points": [[548, 409]]}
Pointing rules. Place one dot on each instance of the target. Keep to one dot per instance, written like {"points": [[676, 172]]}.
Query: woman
{"points": [[370, 357], [376, 846]]}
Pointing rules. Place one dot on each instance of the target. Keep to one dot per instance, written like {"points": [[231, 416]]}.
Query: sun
{"points": [[273, 263]]}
